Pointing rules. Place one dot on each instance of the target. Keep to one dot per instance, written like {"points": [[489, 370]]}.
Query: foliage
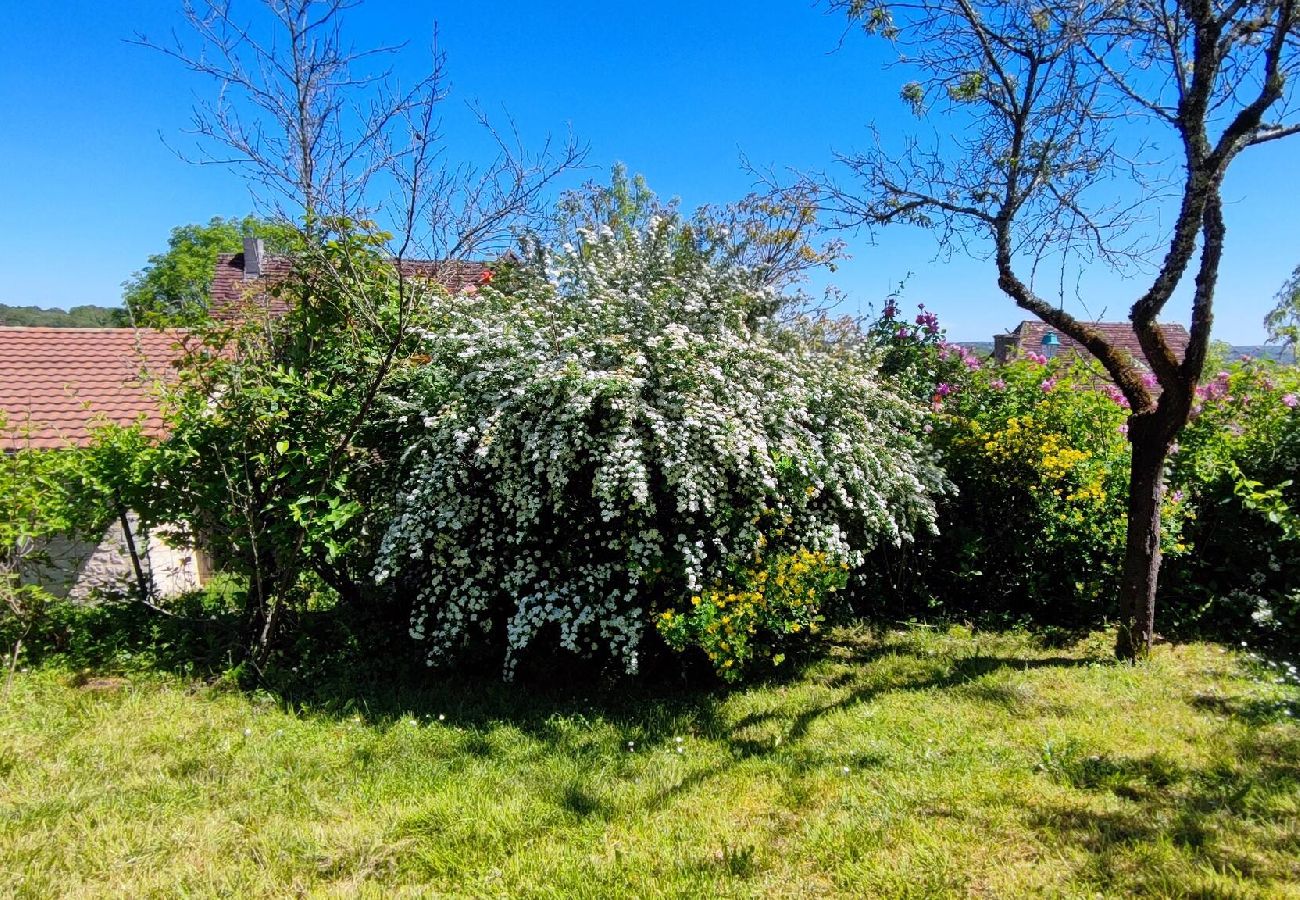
{"points": [[773, 237], [612, 427], [911, 762], [46, 495], [1042, 111], [1035, 531], [1040, 458], [916, 355], [1283, 320], [751, 620], [266, 459], [33, 494], [1238, 464], [87, 316], [174, 287]]}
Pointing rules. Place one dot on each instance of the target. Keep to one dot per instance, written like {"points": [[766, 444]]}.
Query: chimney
{"points": [[1004, 346], [254, 255]]}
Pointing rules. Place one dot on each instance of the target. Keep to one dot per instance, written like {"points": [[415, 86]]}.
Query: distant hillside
{"points": [[77, 317], [1260, 351]]}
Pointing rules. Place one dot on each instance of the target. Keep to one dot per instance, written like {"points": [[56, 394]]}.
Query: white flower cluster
{"points": [[619, 428]]}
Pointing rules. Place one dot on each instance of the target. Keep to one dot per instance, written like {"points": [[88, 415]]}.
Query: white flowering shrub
{"points": [[608, 429]]}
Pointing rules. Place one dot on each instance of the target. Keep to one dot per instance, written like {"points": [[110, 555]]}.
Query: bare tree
{"points": [[329, 137], [323, 129], [1049, 109]]}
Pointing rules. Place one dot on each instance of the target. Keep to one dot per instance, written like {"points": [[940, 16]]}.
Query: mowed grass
{"points": [[913, 763]]}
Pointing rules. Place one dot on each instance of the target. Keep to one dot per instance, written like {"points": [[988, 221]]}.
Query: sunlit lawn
{"points": [[915, 763]]}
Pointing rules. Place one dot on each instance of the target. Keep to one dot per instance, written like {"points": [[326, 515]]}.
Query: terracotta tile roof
{"points": [[1028, 338], [57, 384], [233, 294]]}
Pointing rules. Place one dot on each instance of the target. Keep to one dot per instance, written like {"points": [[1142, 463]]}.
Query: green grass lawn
{"points": [[903, 764]]}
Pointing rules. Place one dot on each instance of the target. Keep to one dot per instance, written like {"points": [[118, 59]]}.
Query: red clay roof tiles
{"points": [[57, 384], [1028, 338]]}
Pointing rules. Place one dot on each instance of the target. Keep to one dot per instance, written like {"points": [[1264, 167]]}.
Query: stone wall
{"points": [[77, 569]]}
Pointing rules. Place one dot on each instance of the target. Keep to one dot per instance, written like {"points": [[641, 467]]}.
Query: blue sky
{"points": [[677, 91]]}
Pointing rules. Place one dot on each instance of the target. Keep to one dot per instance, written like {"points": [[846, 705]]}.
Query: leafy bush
{"points": [[759, 613], [50, 494], [269, 462], [1035, 532], [1238, 464], [1037, 450], [615, 427], [1041, 459], [916, 355]]}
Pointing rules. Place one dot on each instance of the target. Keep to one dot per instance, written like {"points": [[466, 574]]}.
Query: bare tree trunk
{"points": [[1137, 590], [143, 581]]}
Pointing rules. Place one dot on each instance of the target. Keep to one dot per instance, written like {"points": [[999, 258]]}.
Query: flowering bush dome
{"points": [[610, 429]]}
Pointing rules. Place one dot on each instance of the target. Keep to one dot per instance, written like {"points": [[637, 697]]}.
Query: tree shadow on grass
{"points": [[942, 675], [1217, 817], [382, 686], [1253, 711]]}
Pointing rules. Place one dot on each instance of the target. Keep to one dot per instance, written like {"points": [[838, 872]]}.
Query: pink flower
{"points": [[998, 384], [1290, 401], [1048, 384], [944, 389], [928, 320], [1038, 358]]}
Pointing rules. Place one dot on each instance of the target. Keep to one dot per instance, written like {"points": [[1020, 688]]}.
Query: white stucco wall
{"points": [[77, 569]]}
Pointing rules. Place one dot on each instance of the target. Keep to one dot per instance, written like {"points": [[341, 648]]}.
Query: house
{"points": [[56, 386], [1032, 336], [240, 280]]}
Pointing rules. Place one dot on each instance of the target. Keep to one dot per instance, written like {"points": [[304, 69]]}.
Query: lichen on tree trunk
{"points": [[1141, 569]]}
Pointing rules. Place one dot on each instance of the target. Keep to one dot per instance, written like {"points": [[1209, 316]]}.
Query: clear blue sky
{"points": [[676, 90]]}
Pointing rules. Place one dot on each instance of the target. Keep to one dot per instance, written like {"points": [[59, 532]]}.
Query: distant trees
{"points": [[88, 316]]}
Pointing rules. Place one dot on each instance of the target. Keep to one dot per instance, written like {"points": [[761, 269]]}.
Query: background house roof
{"points": [[235, 292], [58, 384], [1028, 338]]}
